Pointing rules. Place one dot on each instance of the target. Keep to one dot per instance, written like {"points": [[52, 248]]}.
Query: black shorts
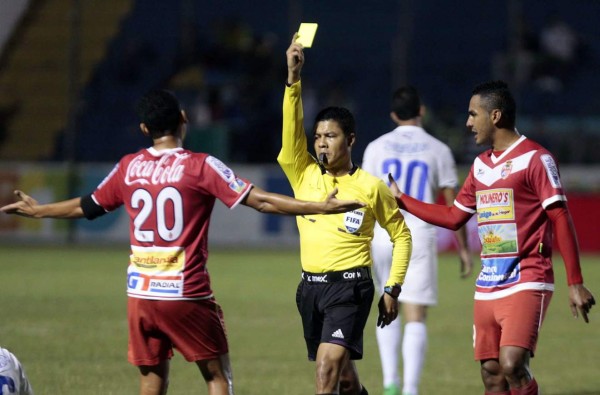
{"points": [[334, 308]]}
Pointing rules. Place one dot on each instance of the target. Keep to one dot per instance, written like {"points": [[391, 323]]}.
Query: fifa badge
{"points": [[353, 220]]}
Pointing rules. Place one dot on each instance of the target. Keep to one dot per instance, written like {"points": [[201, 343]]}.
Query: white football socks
{"points": [[414, 346], [388, 340]]}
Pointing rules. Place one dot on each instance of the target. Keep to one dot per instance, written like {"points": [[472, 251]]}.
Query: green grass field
{"points": [[64, 316]]}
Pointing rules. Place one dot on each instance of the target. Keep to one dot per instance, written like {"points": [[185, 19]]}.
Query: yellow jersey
{"points": [[338, 242]]}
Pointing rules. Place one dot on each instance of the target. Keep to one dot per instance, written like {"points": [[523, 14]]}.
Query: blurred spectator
{"points": [[560, 49], [7, 113], [137, 55], [234, 105], [517, 64]]}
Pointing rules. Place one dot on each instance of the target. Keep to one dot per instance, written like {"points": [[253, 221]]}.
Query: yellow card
{"points": [[306, 34]]}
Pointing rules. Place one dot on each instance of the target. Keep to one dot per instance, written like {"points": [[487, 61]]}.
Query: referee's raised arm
{"points": [[295, 60]]}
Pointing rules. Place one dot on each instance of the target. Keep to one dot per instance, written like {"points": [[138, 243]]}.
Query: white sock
{"points": [[388, 340], [414, 346]]}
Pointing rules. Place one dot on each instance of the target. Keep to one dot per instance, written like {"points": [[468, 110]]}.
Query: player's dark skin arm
{"points": [[435, 214], [258, 199], [274, 203], [581, 299], [26, 206], [466, 262]]}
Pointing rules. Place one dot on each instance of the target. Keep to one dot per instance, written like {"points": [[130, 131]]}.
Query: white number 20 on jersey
{"points": [[142, 198]]}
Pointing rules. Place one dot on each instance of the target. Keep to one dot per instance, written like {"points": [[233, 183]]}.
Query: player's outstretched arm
{"points": [[274, 203], [464, 255], [435, 214], [27, 206]]}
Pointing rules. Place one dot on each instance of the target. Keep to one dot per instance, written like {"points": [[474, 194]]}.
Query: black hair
{"points": [[406, 103], [495, 95], [159, 110], [341, 115]]}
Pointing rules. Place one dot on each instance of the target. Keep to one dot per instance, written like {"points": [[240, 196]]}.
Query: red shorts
{"points": [[194, 327], [514, 320]]}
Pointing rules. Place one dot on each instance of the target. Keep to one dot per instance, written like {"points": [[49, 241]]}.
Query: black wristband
{"points": [[91, 210]]}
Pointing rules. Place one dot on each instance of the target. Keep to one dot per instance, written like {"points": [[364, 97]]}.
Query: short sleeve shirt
{"points": [[420, 164], [509, 194], [169, 196]]}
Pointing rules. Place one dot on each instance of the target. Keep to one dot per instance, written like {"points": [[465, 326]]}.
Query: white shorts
{"points": [[421, 282], [12, 376]]}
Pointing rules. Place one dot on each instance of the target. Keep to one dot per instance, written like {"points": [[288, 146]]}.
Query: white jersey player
{"points": [[424, 167], [13, 379]]}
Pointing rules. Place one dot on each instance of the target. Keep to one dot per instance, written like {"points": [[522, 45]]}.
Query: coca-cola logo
{"points": [[166, 170]]}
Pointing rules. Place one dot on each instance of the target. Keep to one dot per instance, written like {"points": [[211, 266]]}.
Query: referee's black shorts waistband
{"points": [[358, 273]]}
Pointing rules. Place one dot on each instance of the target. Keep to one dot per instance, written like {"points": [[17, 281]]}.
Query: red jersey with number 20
{"points": [[169, 196], [509, 193]]}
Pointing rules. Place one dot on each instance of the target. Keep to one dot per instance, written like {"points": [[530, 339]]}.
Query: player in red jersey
{"points": [[515, 190], [169, 193]]}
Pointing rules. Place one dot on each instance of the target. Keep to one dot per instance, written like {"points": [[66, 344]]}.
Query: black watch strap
{"points": [[393, 290]]}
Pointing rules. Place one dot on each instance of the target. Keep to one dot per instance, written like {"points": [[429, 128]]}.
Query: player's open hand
{"points": [[394, 187], [388, 310], [582, 301], [25, 206], [336, 206]]}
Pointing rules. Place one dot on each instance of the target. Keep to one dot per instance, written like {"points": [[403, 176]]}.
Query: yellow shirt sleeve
{"points": [[294, 157], [390, 218], [338, 241]]}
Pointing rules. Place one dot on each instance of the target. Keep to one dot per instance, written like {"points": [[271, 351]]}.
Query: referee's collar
{"points": [[351, 172]]}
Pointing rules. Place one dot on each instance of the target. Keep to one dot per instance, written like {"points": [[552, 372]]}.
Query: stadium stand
{"points": [[131, 46], [33, 75]]}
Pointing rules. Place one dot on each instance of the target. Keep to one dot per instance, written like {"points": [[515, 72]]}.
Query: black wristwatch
{"points": [[393, 290]]}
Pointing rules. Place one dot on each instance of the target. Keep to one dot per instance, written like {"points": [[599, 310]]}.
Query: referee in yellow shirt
{"points": [[336, 292]]}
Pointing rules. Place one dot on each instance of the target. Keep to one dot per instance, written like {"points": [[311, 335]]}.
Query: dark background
{"points": [[226, 62]]}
